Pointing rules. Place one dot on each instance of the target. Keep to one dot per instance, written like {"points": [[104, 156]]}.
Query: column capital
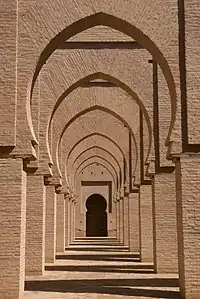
{"points": [[126, 191]]}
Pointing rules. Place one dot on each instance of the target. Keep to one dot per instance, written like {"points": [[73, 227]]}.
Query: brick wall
{"points": [[12, 227]]}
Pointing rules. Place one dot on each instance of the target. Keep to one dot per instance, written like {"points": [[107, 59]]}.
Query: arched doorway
{"points": [[96, 216]]}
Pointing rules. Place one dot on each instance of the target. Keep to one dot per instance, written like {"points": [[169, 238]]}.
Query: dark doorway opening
{"points": [[96, 216]]}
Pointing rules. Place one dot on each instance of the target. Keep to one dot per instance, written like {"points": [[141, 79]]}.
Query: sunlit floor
{"points": [[101, 271]]}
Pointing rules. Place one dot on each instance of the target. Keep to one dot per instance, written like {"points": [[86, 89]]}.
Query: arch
{"points": [[114, 180], [116, 82], [98, 134], [105, 150], [84, 112], [90, 198], [105, 159], [111, 79], [102, 158], [123, 26]]}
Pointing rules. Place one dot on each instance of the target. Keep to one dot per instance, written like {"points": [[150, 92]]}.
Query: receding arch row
{"points": [[104, 150], [103, 160], [69, 173], [96, 133], [102, 163], [95, 107], [120, 25], [118, 83], [68, 167], [96, 145], [104, 136], [110, 79]]}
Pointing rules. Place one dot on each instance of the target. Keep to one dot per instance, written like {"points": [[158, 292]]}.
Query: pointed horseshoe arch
{"points": [[89, 164], [121, 25], [96, 107]]}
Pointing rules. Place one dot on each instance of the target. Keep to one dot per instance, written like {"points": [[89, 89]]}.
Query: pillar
{"points": [[164, 223], [112, 226], [134, 222], [50, 235], [73, 221], [12, 228], [188, 219], [121, 225], [35, 225], [126, 221], [118, 219], [114, 217], [146, 223], [70, 221], [60, 223], [66, 220]]}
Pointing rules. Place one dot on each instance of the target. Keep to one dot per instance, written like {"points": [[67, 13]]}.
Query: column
{"points": [[35, 225], [118, 219], [146, 223], [134, 228], [50, 235], [165, 224], [12, 228], [121, 225], [79, 221], [188, 219], [66, 220], [126, 221], [114, 219], [60, 223], [70, 221], [73, 221]]}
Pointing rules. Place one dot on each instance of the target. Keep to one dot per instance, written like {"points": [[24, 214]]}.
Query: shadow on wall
{"points": [[123, 287]]}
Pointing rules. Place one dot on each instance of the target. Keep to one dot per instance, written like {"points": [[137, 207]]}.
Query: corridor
{"points": [[100, 268], [99, 149]]}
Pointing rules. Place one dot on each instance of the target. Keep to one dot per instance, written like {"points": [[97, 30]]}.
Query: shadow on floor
{"points": [[123, 287], [106, 269], [100, 257], [103, 249]]}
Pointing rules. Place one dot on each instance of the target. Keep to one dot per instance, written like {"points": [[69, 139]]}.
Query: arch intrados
{"points": [[115, 180], [101, 158], [97, 134], [123, 26], [96, 107], [102, 135], [90, 198], [103, 149], [116, 82], [92, 157], [90, 164]]}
